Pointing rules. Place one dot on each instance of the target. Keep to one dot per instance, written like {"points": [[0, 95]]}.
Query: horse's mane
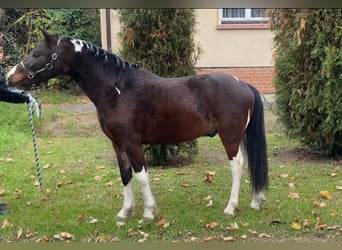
{"points": [[107, 58]]}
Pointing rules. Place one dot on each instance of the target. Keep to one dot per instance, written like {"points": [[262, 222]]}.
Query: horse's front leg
{"points": [[126, 178], [136, 156]]}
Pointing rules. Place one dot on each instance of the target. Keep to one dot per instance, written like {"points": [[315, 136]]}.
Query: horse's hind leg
{"points": [[236, 164]]}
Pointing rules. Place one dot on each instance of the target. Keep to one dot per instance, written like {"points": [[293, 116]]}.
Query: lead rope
{"points": [[31, 105]]}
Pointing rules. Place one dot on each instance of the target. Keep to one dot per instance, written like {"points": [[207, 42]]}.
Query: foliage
{"points": [[308, 75], [21, 29], [162, 41]]}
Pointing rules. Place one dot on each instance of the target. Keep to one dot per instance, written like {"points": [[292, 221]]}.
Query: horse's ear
{"points": [[50, 39]]}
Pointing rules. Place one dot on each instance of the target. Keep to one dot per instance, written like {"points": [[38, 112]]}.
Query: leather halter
{"points": [[48, 66]]}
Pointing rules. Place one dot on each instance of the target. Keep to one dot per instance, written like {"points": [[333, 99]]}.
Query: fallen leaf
{"points": [[46, 166], [193, 239], [207, 198], [284, 176], [80, 218], [211, 173], [228, 239], [163, 223], [62, 172], [17, 193], [209, 238], [210, 204], [28, 234], [9, 160], [296, 226], [100, 167], [319, 204], [212, 225], [292, 185], [64, 236], [231, 227], [97, 178], [325, 194], [185, 184], [293, 196], [339, 188], [264, 235], [207, 178], [110, 184], [6, 224], [19, 233], [306, 222], [59, 184], [92, 220], [2, 192]]}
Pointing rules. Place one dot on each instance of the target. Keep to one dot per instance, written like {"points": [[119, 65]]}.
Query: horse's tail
{"points": [[256, 145]]}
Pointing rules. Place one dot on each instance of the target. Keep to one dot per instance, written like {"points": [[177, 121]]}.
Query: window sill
{"points": [[243, 26]]}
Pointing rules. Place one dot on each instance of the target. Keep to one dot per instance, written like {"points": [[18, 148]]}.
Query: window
{"points": [[240, 18]]}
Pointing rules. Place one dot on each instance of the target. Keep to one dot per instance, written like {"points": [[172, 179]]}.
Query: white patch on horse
{"points": [[236, 166], [118, 90], [149, 202], [237, 79], [129, 203], [248, 118], [78, 44], [11, 72]]}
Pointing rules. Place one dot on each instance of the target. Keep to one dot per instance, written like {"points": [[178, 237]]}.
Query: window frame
{"points": [[247, 22]]}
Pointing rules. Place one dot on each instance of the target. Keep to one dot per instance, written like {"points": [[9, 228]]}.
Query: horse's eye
{"points": [[35, 54]]}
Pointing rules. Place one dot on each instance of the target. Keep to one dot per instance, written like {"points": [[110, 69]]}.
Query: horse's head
{"points": [[43, 62]]}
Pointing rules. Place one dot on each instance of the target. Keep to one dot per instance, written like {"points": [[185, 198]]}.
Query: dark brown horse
{"points": [[135, 107]]}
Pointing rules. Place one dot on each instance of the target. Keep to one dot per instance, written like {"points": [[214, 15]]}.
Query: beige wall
{"points": [[221, 48], [231, 48]]}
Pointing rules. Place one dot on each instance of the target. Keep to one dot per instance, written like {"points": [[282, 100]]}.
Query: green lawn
{"points": [[82, 189]]}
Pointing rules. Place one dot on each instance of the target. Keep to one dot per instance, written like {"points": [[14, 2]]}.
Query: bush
{"points": [[162, 41], [309, 75]]}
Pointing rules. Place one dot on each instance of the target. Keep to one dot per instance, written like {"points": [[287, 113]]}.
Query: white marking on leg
{"points": [[236, 168], [129, 203], [149, 202], [237, 79], [78, 44], [257, 200], [118, 90]]}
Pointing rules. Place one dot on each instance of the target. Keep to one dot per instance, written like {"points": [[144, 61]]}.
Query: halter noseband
{"points": [[48, 66]]}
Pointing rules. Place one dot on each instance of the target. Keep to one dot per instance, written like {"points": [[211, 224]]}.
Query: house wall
{"points": [[245, 53]]}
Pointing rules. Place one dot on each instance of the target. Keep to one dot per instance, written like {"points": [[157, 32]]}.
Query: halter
{"points": [[48, 65]]}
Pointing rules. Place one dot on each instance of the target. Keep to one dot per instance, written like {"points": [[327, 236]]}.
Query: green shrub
{"points": [[162, 41], [309, 75]]}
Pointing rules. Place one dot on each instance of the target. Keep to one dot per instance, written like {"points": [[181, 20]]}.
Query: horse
{"points": [[136, 107]]}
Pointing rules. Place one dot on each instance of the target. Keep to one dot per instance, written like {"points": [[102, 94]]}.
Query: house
{"points": [[233, 41]]}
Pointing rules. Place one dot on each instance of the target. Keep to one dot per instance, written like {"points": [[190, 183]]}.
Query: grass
{"points": [[82, 186]]}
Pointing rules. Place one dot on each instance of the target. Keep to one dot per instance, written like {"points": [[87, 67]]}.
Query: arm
{"points": [[9, 94]]}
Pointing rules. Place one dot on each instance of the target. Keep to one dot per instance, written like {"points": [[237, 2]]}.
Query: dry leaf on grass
{"points": [[296, 225], [339, 188], [163, 223], [325, 194], [64, 236], [6, 224], [97, 178], [185, 184], [207, 178], [294, 196], [2, 192], [212, 225]]}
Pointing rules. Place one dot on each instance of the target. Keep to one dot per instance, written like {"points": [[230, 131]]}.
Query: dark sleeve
{"points": [[2, 76], [12, 95]]}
